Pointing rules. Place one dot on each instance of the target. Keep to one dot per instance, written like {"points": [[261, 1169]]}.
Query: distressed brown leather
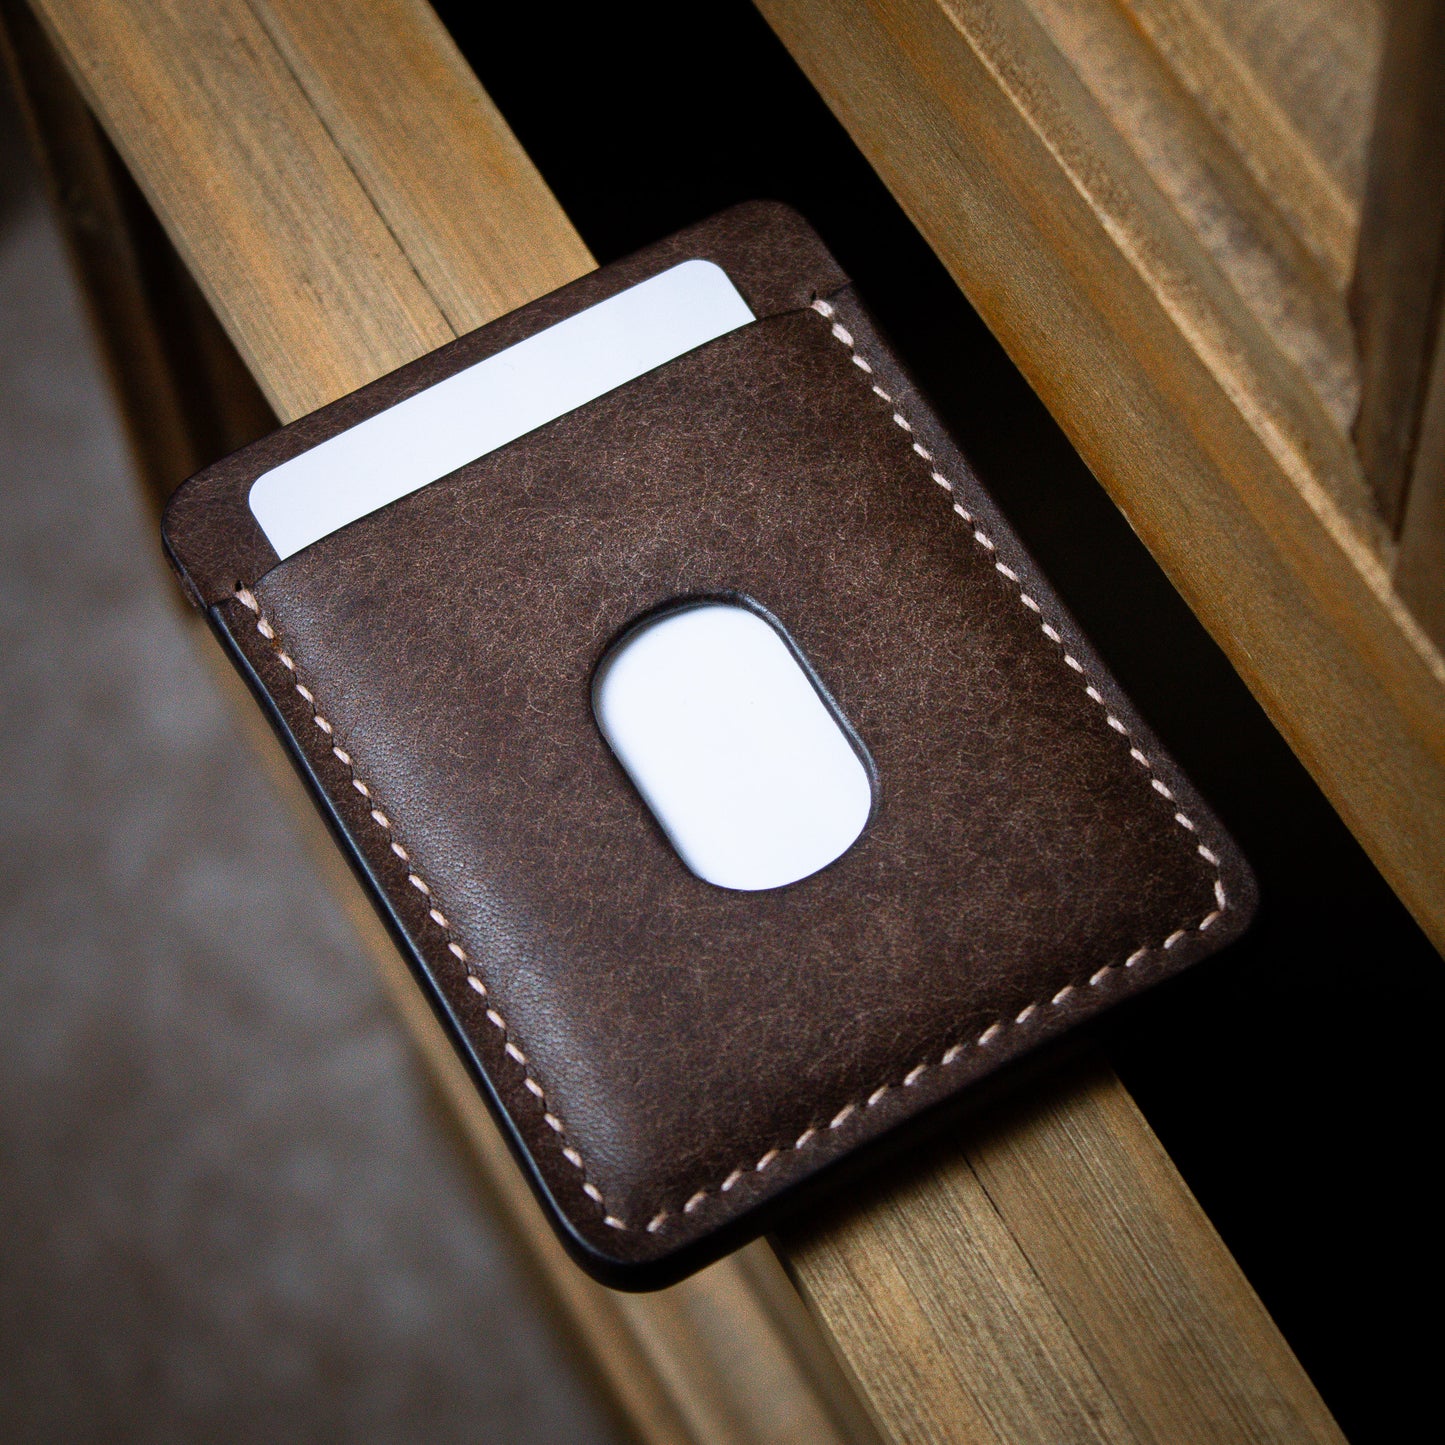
{"points": [[669, 1055]]}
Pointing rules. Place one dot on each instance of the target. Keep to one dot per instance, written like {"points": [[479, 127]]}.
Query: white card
{"points": [[494, 402]]}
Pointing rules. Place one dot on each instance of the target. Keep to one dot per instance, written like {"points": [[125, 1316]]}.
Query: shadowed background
{"points": [[229, 1207]]}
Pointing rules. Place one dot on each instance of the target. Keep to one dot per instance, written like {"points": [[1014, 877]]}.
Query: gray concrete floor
{"points": [[228, 1208]]}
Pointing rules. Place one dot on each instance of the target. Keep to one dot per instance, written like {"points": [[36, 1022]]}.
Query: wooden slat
{"points": [[182, 393], [1396, 291], [1315, 62], [1059, 1223], [1105, 299], [1290, 89], [1420, 569], [259, 201], [476, 222], [1400, 307], [1252, 269], [926, 1269]]}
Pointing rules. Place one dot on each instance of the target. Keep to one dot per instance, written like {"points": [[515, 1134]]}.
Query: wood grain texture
{"points": [[233, 158], [183, 395], [1271, 288], [1420, 566], [1059, 1227], [1244, 491], [1317, 61], [937, 1293], [465, 204], [1053, 1168], [1396, 293], [1289, 86]]}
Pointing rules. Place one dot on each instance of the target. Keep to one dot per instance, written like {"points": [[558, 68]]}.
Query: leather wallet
{"points": [[669, 1058]]}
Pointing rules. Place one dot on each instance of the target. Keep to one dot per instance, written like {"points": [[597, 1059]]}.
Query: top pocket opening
{"points": [[753, 341], [480, 408]]}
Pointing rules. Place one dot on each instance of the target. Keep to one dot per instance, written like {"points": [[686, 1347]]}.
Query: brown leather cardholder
{"points": [[667, 1056]]}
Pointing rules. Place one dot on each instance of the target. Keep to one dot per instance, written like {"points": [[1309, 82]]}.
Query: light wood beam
{"points": [[1399, 303]]}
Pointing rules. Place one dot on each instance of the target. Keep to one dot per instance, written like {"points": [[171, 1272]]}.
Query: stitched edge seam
{"points": [[247, 599], [950, 1055], [1104, 975]]}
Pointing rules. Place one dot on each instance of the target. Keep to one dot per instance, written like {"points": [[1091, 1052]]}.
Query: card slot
{"points": [[748, 348], [769, 254], [478, 408]]}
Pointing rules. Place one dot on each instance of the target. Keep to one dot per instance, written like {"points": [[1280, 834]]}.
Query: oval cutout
{"points": [[740, 757]]}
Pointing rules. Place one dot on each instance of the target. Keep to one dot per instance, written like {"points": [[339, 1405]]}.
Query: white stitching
{"points": [[950, 1055], [248, 600], [828, 312], [955, 1051]]}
